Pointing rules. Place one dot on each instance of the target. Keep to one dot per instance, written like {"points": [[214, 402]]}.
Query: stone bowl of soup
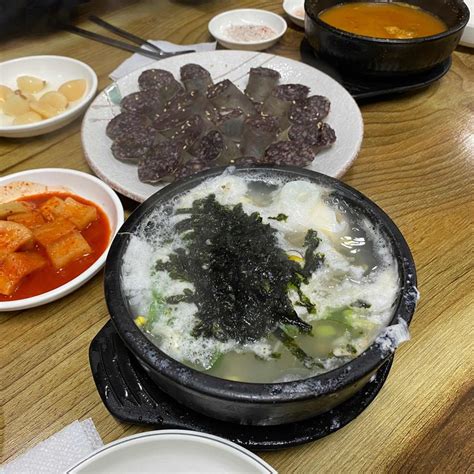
{"points": [[385, 38], [260, 295]]}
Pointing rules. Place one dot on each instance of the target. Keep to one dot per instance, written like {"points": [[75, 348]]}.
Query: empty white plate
{"points": [[172, 451]]}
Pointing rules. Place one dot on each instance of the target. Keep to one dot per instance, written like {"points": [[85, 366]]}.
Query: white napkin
{"points": [[59, 452], [137, 61]]}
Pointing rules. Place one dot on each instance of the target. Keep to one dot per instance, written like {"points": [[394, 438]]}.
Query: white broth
{"points": [[342, 291]]}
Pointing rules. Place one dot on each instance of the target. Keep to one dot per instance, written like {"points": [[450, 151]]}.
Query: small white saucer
{"points": [[294, 8], [55, 70], [246, 16]]}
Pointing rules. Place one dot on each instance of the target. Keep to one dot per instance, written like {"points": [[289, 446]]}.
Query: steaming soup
{"points": [[260, 281]]}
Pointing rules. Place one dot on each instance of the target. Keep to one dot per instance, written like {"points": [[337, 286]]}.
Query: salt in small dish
{"points": [[295, 10], [247, 29], [55, 70], [83, 185]]}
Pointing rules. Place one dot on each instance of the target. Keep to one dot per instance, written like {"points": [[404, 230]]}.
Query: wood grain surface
{"points": [[416, 162]]}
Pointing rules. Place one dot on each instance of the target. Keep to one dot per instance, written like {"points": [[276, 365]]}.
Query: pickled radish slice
{"points": [[74, 89], [15, 105], [5, 92], [29, 117], [45, 110], [30, 84], [55, 100], [25, 95]]}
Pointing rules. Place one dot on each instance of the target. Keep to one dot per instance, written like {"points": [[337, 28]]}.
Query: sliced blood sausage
{"points": [[126, 123], [192, 167], [258, 133], [311, 109], [226, 94], [195, 77], [159, 81], [188, 132], [288, 153], [280, 100], [160, 163], [155, 79], [210, 146], [290, 92], [131, 149], [315, 135], [262, 81], [142, 102], [231, 123]]}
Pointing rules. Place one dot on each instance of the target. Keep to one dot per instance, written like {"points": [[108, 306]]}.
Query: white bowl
{"points": [[55, 70], [291, 8], [172, 451], [83, 185], [246, 16]]}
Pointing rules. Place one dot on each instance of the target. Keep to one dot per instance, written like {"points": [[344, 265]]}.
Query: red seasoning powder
{"points": [[250, 33]]}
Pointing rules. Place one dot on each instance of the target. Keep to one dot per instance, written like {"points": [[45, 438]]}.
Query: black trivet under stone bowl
{"points": [[130, 395], [364, 88]]}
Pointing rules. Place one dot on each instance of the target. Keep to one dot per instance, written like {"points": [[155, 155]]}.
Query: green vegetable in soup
{"points": [[328, 329], [280, 218]]}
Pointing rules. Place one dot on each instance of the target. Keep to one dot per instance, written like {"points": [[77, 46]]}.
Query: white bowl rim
{"points": [[178, 434], [219, 37], [83, 277], [63, 115], [286, 8]]}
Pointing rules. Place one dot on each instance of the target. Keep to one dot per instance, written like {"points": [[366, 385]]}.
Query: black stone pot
{"points": [[251, 403], [355, 54]]}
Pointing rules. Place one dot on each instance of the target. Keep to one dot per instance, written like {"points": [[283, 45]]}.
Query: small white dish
{"points": [[172, 451], [295, 10], [55, 70], [219, 25], [83, 185]]}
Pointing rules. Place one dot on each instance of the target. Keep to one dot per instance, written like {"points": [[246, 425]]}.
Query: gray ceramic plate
{"points": [[345, 116]]}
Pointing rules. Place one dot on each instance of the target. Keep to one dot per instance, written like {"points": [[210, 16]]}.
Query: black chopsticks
{"points": [[156, 52], [124, 34]]}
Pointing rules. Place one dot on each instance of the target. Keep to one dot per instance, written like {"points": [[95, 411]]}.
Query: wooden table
{"points": [[416, 162]]}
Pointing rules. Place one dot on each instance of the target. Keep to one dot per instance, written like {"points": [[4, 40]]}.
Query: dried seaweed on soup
{"points": [[244, 294]]}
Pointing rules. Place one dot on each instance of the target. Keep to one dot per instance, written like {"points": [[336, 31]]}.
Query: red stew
{"points": [[97, 234]]}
